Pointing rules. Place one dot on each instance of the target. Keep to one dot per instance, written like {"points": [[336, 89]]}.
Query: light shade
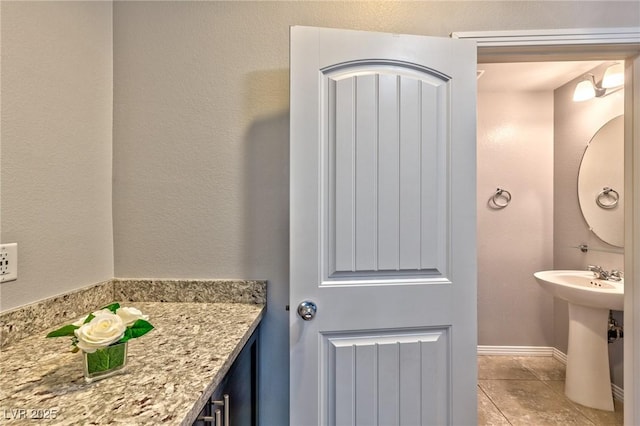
{"points": [[613, 76], [584, 91]]}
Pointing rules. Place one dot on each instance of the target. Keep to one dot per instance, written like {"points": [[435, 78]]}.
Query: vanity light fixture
{"points": [[613, 76], [587, 88]]}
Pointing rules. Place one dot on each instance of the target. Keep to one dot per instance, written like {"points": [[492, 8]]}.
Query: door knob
{"points": [[307, 310]]}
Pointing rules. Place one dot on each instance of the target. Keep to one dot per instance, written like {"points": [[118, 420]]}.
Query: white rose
{"points": [[130, 315], [106, 328], [84, 318], [80, 321]]}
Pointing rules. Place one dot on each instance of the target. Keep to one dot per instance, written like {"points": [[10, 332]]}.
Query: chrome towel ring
{"points": [[607, 198], [501, 198]]}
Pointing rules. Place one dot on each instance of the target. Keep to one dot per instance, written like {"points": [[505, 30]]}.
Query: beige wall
{"points": [[574, 125], [55, 131], [200, 136], [515, 152]]}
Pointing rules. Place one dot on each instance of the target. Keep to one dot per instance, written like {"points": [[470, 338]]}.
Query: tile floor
{"points": [[530, 391]]}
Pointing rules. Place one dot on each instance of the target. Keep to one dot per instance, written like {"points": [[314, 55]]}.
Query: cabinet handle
{"points": [[227, 421], [216, 419], [225, 404]]}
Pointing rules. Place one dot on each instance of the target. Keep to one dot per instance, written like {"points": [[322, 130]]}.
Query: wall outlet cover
{"points": [[8, 262]]}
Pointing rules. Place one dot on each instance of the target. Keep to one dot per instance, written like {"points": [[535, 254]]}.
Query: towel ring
{"points": [[607, 194], [501, 194]]}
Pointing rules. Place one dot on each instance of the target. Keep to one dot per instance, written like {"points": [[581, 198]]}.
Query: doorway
{"points": [[601, 44], [527, 122]]}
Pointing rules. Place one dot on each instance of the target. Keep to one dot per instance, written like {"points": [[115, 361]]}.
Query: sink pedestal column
{"points": [[588, 381]]}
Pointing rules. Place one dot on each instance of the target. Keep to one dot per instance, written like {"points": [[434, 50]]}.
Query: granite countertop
{"points": [[171, 371]]}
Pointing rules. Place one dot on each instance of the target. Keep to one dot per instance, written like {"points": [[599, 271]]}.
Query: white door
{"points": [[383, 229]]}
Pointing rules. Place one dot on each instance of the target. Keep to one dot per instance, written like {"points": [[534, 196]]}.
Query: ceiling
{"points": [[531, 76]]}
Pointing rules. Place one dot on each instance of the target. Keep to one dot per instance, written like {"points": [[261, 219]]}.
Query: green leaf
{"points": [[106, 358], [139, 328], [89, 318], [112, 307], [67, 330]]}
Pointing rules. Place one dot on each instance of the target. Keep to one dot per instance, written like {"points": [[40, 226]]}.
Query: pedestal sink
{"points": [[588, 381]]}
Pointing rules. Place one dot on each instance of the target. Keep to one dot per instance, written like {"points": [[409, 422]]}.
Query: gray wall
{"points": [[57, 100], [575, 124], [200, 137], [515, 152]]}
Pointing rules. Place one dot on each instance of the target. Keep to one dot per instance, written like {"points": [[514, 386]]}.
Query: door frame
{"points": [[590, 44]]}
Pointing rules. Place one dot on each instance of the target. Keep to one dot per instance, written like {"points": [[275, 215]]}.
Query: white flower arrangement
{"points": [[108, 326]]}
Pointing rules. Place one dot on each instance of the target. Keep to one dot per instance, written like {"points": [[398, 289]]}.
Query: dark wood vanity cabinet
{"points": [[240, 386]]}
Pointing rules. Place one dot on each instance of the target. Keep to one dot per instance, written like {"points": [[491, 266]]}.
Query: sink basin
{"points": [[588, 381], [582, 288]]}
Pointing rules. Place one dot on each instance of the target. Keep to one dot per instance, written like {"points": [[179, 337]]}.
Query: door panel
{"points": [[388, 378], [382, 229], [387, 158]]}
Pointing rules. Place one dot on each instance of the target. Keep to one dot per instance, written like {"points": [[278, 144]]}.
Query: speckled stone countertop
{"points": [[170, 374]]}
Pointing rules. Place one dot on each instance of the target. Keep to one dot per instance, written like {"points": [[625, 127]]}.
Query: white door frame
{"points": [[589, 44]]}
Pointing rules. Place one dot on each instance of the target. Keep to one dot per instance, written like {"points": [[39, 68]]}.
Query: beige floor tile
{"points": [[488, 413], [556, 385], [529, 402], [502, 368], [544, 367], [599, 417]]}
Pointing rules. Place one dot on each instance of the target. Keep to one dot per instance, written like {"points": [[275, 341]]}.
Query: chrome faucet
{"points": [[615, 275], [599, 273]]}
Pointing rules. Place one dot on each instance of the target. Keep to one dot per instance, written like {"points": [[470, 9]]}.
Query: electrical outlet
{"points": [[8, 262]]}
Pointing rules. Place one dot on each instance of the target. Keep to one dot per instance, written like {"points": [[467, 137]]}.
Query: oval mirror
{"points": [[601, 183]]}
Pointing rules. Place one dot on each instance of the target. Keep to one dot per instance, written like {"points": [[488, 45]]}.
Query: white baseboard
{"points": [[560, 356], [618, 392], [516, 350]]}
